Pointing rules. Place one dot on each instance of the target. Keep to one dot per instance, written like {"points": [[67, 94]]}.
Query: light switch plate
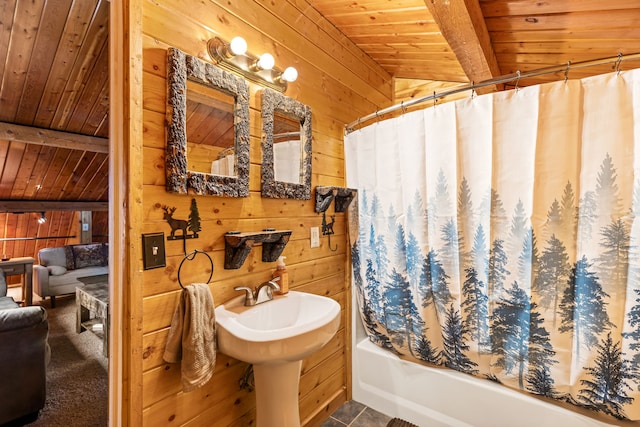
{"points": [[315, 237], [153, 250]]}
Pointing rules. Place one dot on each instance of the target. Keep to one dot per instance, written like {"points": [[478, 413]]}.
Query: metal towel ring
{"points": [[190, 256]]}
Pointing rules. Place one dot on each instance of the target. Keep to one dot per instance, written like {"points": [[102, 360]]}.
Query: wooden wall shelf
{"points": [[238, 245]]}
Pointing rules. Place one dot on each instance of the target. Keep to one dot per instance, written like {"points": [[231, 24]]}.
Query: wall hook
{"points": [[327, 229], [192, 224], [329, 244]]}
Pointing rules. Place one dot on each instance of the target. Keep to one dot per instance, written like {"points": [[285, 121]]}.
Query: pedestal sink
{"points": [[275, 336]]}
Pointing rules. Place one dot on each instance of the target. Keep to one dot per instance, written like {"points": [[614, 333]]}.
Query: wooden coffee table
{"points": [[92, 308]]}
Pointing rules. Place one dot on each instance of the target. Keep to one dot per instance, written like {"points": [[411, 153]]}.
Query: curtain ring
{"points": [[402, 107], [473, 89], [377, 116], [566, 71], [618, 62], [435, 99], [517, 80]]}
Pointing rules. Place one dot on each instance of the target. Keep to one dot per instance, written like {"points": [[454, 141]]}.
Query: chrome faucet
{"points": [[263, 293]]}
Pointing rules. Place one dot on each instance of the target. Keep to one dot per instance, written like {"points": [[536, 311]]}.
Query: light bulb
{"points": [[238, 46], [266, 61], [290, 74]]}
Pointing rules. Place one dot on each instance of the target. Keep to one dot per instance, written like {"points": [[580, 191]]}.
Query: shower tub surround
{"points": [[436, 397]]}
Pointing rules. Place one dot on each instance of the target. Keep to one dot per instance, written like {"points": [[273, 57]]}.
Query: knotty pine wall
{"points": [[339, 83], [25, 225], [59, 224]]}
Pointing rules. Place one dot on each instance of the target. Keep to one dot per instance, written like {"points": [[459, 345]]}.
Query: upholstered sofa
{"points": [[24, 355], [60, 268]]}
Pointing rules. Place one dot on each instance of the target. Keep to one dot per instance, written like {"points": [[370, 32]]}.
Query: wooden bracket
{"points": [[342, 196], [238, 245]]}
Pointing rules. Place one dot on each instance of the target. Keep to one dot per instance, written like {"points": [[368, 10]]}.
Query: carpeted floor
{"points": [[77, 384]]}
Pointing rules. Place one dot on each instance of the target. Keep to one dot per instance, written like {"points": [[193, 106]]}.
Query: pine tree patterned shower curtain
{"points": [[499, 236]]}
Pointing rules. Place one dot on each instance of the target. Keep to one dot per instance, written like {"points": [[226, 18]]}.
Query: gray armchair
{"points": [[24, 354]]}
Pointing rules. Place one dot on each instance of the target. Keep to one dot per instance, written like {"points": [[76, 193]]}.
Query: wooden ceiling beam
{"points": [[53, 138], [18, 206], [462, 24]]}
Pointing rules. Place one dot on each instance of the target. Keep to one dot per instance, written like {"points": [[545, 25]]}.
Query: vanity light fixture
{"points": [[290, 75], [265, 62], [233, 56], [237, 46]]}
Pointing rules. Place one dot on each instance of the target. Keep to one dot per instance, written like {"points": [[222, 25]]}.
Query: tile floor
{"points": [[355, 414]]}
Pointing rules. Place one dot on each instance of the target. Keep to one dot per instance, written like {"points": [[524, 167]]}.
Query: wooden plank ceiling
{"points": [[473, 40], [54, 84], [54, 76], [54, 73]]}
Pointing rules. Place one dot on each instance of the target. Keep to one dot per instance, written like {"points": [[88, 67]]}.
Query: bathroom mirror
{"points": [[210, 130], [207, 151], [286, 147]]}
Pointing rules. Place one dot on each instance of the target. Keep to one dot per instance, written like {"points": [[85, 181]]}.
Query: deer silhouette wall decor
{"points": [[175, 224], [327, 229]]}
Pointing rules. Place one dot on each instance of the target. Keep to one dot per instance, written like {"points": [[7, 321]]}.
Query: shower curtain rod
{"points": [[494, 81]]}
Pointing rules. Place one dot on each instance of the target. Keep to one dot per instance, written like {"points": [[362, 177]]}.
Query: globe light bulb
{"points": [[238, 46], [290, 74], [266, 61]]}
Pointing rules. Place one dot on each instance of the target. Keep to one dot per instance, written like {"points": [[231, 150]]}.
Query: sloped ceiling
{"points": [[54, 77], [474, 40], [54, 105]]}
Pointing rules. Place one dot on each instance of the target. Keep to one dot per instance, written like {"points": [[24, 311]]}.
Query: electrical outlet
{"points": [[315, 237]]}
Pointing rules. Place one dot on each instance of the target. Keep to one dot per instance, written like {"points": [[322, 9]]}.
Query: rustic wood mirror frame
{"points": [[180, 68], [273, 101]]}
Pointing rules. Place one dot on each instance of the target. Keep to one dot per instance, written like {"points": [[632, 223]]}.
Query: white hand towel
{"points": [[192, 336]]}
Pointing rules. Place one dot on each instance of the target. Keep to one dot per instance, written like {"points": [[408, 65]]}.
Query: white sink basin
{"points": [[275, 336], [288, 328]]}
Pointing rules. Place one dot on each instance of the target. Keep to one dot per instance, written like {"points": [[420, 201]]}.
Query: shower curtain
{"points": [[498, 236]]}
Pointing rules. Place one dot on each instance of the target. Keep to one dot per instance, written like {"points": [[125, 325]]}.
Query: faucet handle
{"points": [[249, 299]]}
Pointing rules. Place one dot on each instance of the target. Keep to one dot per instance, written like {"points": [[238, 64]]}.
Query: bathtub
{"points": [[433, 397]]}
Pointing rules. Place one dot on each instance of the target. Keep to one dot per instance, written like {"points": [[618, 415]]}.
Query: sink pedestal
{"points": [[275, 336], [277, 394]]}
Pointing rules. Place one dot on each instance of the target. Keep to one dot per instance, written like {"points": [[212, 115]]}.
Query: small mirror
{"points": [[286, 147], [210, 130], [207, 149]]}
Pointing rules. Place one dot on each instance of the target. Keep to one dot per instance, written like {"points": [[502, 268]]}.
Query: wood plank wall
{"points": [[339, 83], [59, 223]]}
